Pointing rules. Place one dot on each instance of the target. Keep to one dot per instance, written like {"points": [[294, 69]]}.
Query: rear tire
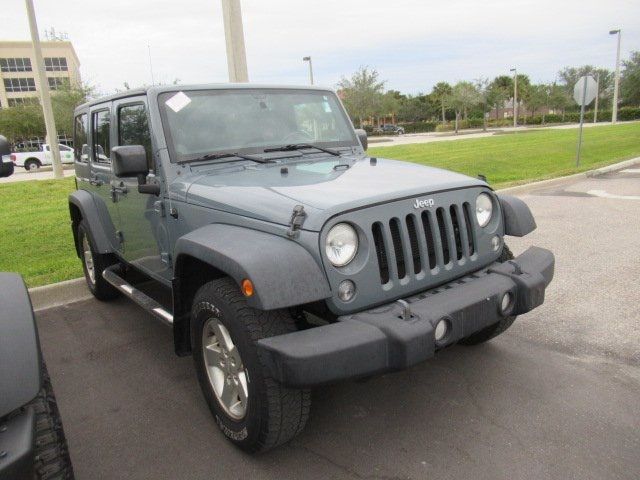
{"points": [[266, 414], [32, 165], [52, 461], [496, 329], [93, 264]]}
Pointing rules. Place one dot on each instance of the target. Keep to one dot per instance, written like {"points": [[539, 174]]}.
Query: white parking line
{"points": [[603, 194]]}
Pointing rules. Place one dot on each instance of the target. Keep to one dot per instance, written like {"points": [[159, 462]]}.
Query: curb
{"points": [[71, 291], [527, 187], [58, 294]]}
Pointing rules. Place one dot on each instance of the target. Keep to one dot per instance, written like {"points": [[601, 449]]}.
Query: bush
{"points": [[628, 113], [419, 127]]}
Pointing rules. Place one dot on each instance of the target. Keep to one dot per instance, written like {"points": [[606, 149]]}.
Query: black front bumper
{"points": [[17, 444], [396, 336]]}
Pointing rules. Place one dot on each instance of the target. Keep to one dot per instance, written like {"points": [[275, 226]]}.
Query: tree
{"points": [[483, 87], [538, 97], [559, 99], [25, 121], [362, 93], [570, 75], [416, 108], [464, 95], [630, 80], [500, 90], [441, 93]]}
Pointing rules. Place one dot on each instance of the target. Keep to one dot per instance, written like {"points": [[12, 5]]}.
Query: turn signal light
{"points": [[247, 287]]}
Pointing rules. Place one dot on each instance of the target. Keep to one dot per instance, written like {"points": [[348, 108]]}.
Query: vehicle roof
{"points": [[156, 90]]}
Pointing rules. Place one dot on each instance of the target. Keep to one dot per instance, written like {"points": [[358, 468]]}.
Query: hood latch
{"points": [[298, 217]]}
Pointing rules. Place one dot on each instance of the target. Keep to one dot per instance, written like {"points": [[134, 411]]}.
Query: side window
{"points": [[100, 123], [133, 128], [80, 145]]}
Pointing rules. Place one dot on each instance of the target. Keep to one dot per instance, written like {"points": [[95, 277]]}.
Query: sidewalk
{"points": [[429, 137]]}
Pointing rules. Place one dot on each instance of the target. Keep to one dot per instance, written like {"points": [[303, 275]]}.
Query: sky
{"points": [[413, 44]]}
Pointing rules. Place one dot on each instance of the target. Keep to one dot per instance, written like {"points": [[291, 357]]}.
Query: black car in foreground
{"points": [[6, 165], [32, 440]]}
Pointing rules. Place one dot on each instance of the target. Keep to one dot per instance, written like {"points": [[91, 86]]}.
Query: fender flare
{"points": [[283, 273], [20, 358], [518, 219], [84, 201]]}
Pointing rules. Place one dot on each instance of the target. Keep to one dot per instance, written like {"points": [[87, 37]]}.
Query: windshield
{"points": [[250, 120]]}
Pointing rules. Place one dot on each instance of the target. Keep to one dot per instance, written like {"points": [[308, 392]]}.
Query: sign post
{"points": [[584, 92]]}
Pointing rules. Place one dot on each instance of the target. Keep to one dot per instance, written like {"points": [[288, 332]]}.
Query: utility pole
{"points": [[515, 96], [308, 59], [616, 83], [45, 96], [595, 108], [234, 35]]}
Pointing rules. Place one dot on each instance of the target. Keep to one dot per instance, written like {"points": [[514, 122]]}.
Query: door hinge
{"points": [[159, 207], [165, 258], [298, 216]]}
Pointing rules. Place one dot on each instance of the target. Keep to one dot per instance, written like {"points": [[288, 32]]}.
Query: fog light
{"points": [[505, 304], [346, 290], [495, 243], [442, 328]]}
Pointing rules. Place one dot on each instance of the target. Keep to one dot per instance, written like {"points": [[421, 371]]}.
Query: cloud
{"points": [[413, 44]]}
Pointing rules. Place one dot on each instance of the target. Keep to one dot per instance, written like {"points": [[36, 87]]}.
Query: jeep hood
{"points": [[324, 187]]}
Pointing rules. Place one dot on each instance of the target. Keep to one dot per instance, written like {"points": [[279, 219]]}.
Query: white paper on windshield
{"points": [[178, 102]]}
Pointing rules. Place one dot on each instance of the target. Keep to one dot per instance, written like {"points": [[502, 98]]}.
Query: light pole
{"points": [[45, 96], [616, 83], [308, 59], [234, 36], [515, 96], [595, 110]]}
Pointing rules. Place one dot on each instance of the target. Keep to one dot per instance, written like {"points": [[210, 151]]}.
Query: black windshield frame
{"points": [[176, 158]]}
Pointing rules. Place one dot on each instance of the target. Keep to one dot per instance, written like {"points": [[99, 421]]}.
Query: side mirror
{"points": [[4, 146], [129, 161], [362, 136]]}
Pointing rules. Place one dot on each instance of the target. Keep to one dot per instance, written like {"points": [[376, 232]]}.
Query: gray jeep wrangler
{"points": [[250, 220]]}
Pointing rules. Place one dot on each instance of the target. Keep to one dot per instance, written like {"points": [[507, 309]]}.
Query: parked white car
{"points": [[32, 161]]}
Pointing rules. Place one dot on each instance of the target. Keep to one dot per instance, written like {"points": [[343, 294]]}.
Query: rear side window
{"points": [[101, 123], [80, 144], [133, 128]]}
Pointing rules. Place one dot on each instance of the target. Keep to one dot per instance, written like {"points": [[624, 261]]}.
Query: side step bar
{"points": [[112, 275]]}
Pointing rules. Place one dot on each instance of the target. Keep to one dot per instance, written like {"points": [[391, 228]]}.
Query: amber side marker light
{"points": [[247, 287]]}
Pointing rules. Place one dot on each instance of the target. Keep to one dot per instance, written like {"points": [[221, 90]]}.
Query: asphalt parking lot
{"points": [[557, 396]]}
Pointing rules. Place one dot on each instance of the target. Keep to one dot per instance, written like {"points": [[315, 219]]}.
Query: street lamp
{"points": [[308, 59], [616, 84], [515, 96]]}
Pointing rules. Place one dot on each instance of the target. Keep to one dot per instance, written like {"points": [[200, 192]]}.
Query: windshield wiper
{"points": [[218, 156], [302, 146]]}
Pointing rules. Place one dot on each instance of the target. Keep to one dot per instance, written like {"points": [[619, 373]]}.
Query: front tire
{"points": [[93, 264], [52, 459], [252, 410], [496, 329]]}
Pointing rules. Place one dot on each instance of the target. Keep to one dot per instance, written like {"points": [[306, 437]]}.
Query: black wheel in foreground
{"points": [[93, 264], [253, 411], [496, 329], [52, 460]]}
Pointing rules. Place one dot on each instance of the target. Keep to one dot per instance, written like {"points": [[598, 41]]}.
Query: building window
{"points": [[19, 84], [55, 83], [55, 64], [15, 64], [18, 102]]}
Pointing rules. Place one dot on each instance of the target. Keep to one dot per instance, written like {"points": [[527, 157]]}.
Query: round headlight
{"points": [[342, 244], [484, 209]]}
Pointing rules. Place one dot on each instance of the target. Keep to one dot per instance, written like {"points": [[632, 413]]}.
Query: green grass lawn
{"points": [[521, 157], [34, 216], [35, 231]]}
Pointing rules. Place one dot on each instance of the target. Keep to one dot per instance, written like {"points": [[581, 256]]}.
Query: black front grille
{"points": [[423, 242]]}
